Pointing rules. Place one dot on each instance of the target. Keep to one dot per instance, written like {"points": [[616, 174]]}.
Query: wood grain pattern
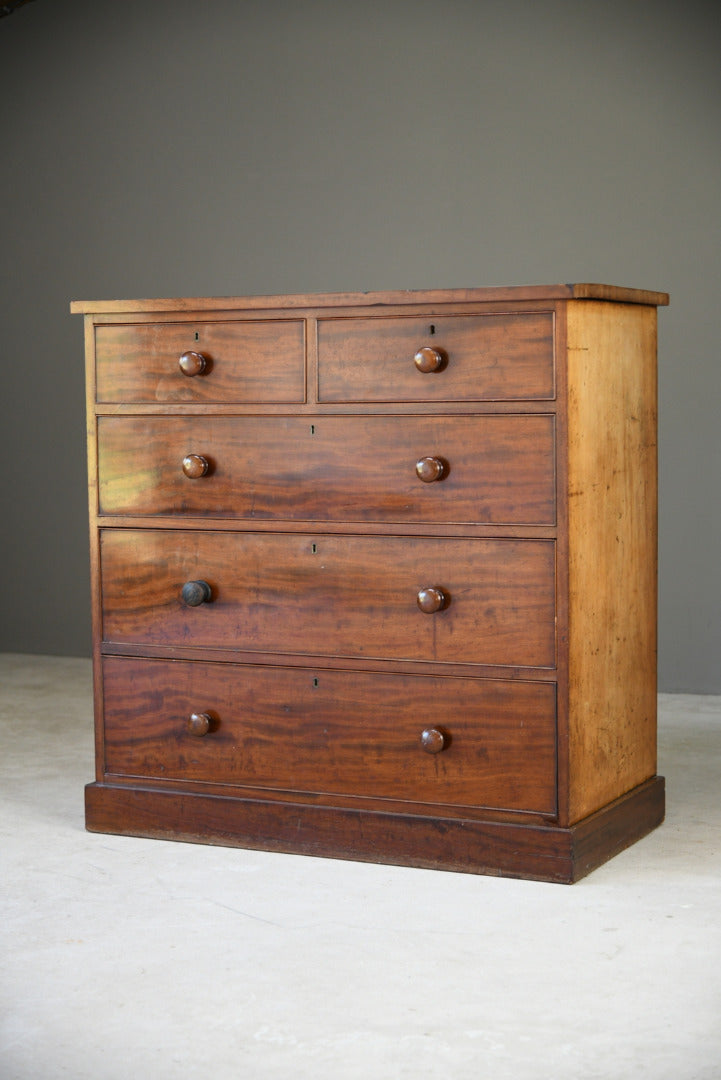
{"points": [[612, 551], [420, 531], [247, 361], [339, 595], [488, 358], [500, 469], [499, 294], [340, 732], [536, 852]]}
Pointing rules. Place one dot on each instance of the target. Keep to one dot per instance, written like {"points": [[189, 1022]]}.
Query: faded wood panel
{"points": [[353, 596], [497, 469], [612, 508], [338, 732]]}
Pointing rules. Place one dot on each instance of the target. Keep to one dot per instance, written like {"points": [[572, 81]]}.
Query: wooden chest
{"points": [[374, 575]]}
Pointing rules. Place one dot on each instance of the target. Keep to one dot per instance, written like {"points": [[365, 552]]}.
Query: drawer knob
{"points": [[433, 740], [195, 593], [431, 600], [429, 469], [428, 360], [195, 466], [192, 363], [199, 723]]}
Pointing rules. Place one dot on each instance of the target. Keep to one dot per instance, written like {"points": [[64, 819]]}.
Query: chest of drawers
{"points": [[374, 575]]}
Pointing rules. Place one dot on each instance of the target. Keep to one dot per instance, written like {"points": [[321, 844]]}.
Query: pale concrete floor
{"points": [[128, 959]]}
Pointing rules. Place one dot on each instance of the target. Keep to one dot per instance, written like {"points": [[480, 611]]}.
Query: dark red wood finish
{"points": [[354, 596], [523, 850], [333, 732], [497, 469]]}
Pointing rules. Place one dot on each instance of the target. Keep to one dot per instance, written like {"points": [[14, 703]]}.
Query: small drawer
{"points": [[203, 362], [437, 358], [401, 598], [495, 469], [452, 741]]}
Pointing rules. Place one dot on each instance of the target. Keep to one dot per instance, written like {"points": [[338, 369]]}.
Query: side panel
{"points": [[612, 531]]}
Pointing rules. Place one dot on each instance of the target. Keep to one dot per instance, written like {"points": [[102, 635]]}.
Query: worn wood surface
{"points": [[540, 852], [340, 732], [246, 361], [399, 298], [352, 596], [498, 469], [487, 358], [612, 551], [421, 534]]}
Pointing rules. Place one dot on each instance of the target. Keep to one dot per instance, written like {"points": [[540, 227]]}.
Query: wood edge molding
{"points": [[619, 294], [492, 294]]}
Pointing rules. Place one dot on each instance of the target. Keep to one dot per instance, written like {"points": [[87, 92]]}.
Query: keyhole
{"points": [[314, 548], [315, 682], [197, 336], [432, 328], [312, 429]]}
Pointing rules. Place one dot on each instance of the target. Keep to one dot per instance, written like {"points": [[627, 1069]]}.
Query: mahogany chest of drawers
{"points": [[374, 575]]}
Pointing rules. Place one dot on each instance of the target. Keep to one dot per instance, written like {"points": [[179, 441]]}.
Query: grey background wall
{"points": [[174, 148]]}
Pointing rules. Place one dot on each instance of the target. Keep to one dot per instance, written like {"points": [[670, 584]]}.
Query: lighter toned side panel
{"points": [[612, 506]]}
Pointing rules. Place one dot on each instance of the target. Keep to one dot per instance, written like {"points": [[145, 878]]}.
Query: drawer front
{"points": [[333, 732], [480, 358], [254, 361], [355, 596], [495, 469]]}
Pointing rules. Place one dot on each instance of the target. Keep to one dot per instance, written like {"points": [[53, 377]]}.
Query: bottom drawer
{"points": [[421, 739]]}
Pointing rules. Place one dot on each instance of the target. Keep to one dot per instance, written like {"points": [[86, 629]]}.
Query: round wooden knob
{"points": [[431, 600], [199, 723], [433, 740], [428, 360], [192, 363], [195, 466], [195, 593], [429, 469]]}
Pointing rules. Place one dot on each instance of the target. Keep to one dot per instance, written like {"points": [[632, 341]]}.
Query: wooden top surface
{"points": [[502, 294]]}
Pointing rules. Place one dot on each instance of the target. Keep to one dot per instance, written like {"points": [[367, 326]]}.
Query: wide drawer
{"points": [[354, 596], [244, 361], [477, 358], [497, 469], [333, 732]]}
